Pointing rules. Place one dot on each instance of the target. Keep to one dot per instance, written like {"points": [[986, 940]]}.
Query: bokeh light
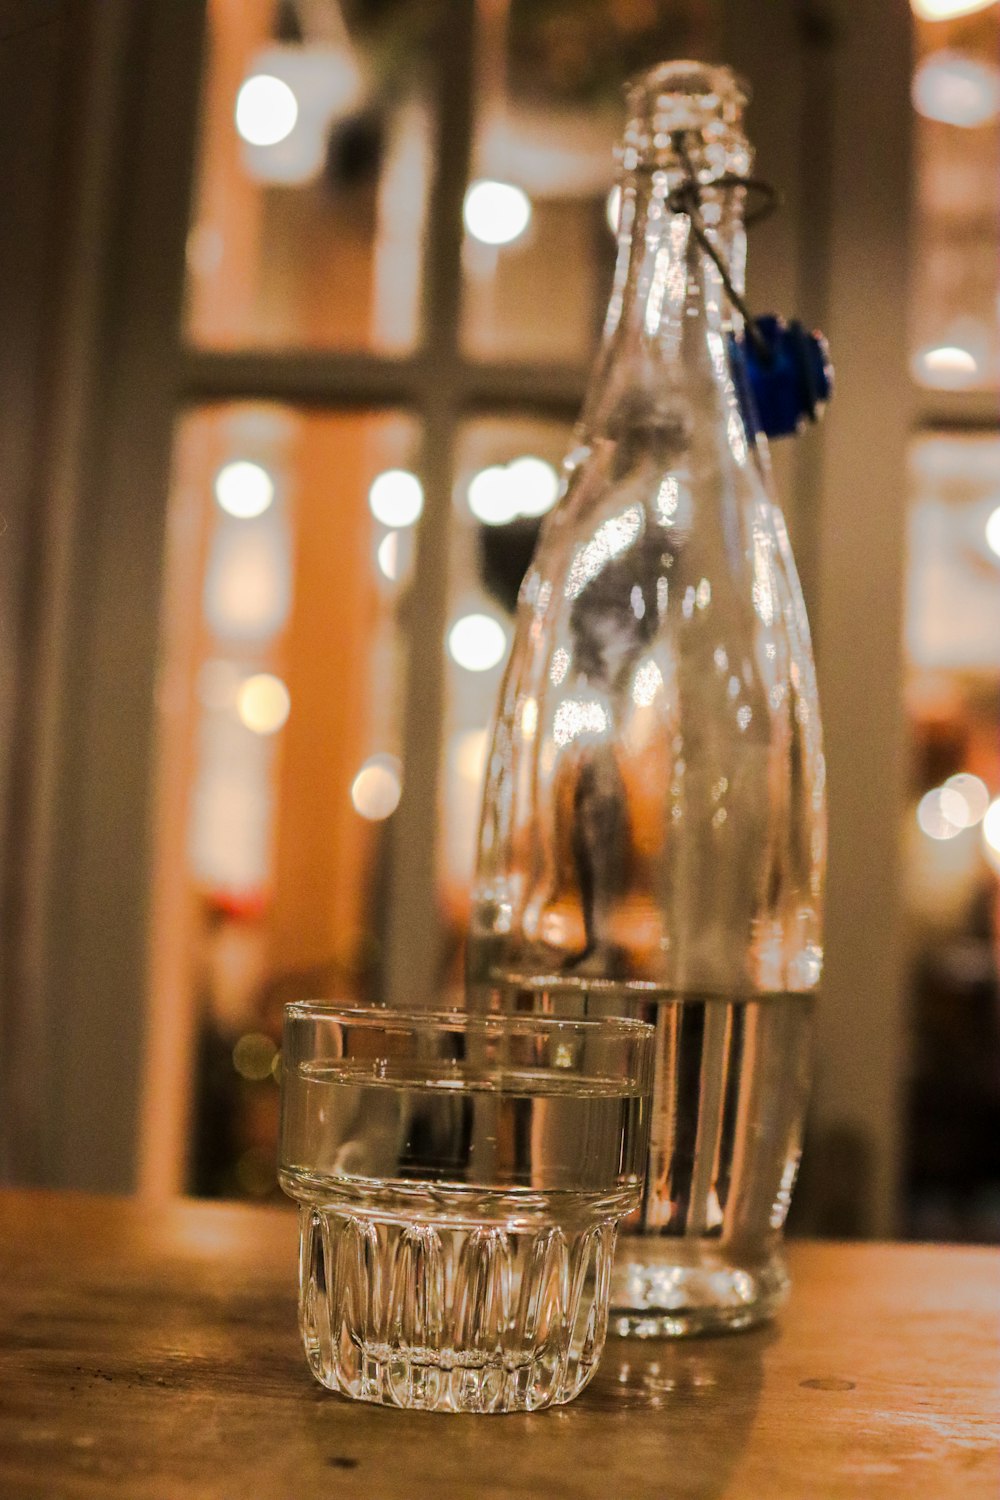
{"points": [[942, 813], [975, 794], [491, 496], [244, 489], [477, 642], [396, 497], [266, 110], [496, 213], [993, 531], [956, 90], [377, 788], [263, 703], [253, 1056], [535, 484], [527, 486], [946, 366], [388, 556], [991, 827]]}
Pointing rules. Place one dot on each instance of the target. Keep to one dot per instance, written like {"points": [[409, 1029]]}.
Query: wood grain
{"points": [[151, 1353]]}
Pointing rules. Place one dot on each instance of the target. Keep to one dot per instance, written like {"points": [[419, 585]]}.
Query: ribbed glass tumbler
{"points": [[460, 1181]]}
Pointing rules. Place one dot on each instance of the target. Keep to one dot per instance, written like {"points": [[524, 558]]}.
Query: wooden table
{"points": [[151, 1353]]}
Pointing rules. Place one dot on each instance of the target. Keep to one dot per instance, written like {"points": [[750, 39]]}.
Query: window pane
{"points": [[314, 163], [506, 479], [956, 92], [539, 250], [952, 838], [292, 536]]}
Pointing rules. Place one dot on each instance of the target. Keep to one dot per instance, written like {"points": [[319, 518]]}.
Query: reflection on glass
{"points": [[314, 166]]}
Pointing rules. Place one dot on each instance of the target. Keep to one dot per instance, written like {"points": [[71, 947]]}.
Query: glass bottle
{"points": [[653, 830]]}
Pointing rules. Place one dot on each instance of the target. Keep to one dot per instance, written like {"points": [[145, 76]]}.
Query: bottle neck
{"points": [[669, 314]]}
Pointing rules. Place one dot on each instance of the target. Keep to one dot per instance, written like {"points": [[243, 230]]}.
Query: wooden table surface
{"points": [[151, 1353]]}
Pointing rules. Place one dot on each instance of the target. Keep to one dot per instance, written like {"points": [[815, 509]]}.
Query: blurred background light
{"points": [[974, 793], [286, 108], [491, 496], [991, 826], [956, 90], [993, 531], [945, 366], [263, 703], [396, 497], [244, 489], [477, 642], [942, 813], [991, 832], [266, 110], [253, 1056], [496, 213], [613, 208], [388, 556], [535, 484], [947, 10], [527, 486], [377, 788]]}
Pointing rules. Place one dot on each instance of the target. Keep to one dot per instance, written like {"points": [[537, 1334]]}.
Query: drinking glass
{"points": [[460, 1180]]}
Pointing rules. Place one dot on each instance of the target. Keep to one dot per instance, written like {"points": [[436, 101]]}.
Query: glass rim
{"points": [[483, 1022]]}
